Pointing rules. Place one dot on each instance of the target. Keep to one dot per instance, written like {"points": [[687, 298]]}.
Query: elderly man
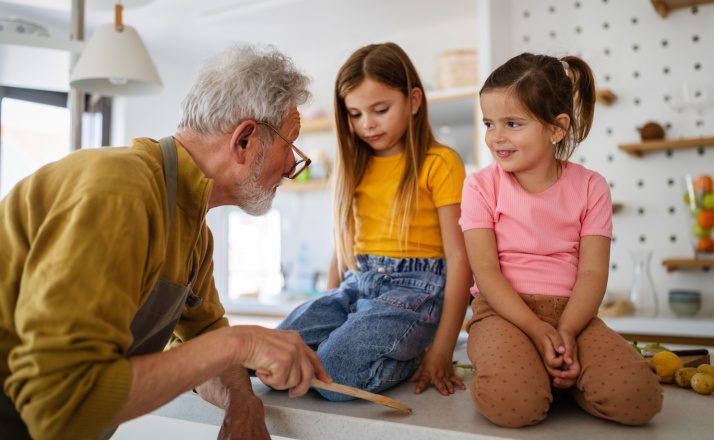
{"points": [[105, 255]]}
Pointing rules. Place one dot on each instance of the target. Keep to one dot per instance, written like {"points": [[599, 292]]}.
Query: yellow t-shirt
{"points": [[440, 183]]}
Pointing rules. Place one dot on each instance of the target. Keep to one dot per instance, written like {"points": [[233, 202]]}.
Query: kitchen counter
{"points": [[688, 331], [685, 415]]}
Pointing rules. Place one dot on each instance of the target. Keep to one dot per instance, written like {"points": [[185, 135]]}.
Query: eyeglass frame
{"points": [[303, 157]]}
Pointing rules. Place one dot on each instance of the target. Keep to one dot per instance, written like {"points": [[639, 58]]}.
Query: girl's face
{"points": [[379, 115], [519, 142]]}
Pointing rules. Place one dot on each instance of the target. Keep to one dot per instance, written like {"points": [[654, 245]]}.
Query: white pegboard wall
{"points": [[649, 63]]}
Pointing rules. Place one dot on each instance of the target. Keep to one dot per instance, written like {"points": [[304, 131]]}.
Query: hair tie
{"points": [[565, 64]]}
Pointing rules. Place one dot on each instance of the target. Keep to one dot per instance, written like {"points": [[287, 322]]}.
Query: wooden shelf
{"points": [[616, 207], [664, 7], [466, 94], [310, 185], [673, 264], [650, 146], [317, 125], [450, 95]]}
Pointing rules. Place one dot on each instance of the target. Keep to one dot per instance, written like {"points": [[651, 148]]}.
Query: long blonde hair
{"points": [[389, 64]]}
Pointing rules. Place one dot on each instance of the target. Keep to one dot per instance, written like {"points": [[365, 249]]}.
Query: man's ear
{"points": [[240, 138]]}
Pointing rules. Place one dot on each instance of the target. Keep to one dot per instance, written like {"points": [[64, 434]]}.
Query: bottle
{"points": [[302, 280], [642, 293]]}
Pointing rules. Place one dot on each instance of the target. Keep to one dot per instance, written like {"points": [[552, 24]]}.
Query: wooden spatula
{"points": [[354, 392]]}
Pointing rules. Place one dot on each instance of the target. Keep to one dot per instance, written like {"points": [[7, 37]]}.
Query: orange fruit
{"points": [[703, 184], [665, 363], [705, 219], [705, 244]]}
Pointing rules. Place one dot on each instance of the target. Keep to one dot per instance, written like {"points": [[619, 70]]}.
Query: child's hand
{"points": [[570, 370], [550, 345], [438, 370]]}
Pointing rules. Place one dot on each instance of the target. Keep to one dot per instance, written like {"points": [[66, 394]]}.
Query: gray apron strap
{"points": [[153, 323], [157, 317], [168, 153]]}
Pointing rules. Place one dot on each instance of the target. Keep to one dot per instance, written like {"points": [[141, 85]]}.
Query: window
{"points": [[35, 130]]}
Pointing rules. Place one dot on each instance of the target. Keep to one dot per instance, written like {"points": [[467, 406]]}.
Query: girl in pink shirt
{"points": [[537, 231]]}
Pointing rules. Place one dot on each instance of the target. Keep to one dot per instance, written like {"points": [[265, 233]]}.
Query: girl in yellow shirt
{"points": [[400, 276]]}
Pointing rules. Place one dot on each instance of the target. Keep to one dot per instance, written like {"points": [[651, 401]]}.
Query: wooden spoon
{"points": [[354, 392]]}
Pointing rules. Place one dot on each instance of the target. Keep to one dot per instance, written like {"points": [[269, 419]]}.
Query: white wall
{"points": [[306, 216], [35, 68]]}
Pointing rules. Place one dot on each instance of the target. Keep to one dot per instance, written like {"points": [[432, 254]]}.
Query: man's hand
{"points": [[244, 419], [438, 370], [244, 416], [280, 358]]}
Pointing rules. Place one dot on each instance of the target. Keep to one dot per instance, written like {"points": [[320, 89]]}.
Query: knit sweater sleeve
{"points": [[84, 278]]}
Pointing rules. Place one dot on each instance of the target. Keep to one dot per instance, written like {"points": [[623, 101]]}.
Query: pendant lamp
{"points": [[115, 62]]}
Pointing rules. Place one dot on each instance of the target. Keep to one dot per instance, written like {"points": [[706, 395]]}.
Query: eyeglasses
{"points": [[301, 160]]}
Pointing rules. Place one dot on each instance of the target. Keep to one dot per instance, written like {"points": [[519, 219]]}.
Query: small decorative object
{"points": [[699, 198], [642, 293], [685, 303], [613, 309], [605, 96], [651, 131]]}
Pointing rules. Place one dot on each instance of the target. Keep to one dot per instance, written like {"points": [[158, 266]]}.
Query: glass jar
{"points": [[643, 295]]}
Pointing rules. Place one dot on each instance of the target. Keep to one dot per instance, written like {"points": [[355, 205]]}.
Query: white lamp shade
{"points": [[115, 63]]}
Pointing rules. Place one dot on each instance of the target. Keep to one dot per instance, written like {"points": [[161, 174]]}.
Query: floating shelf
{"points": [[616, 207], [310, 185], [664, 7], [326, 123], [317, 125], [673, 264], [650, 146]]}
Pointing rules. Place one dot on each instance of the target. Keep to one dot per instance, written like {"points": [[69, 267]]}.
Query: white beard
{"points": [[253, 198]]}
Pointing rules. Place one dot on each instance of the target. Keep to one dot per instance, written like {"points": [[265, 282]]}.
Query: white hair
{"points": [[243, 82]]}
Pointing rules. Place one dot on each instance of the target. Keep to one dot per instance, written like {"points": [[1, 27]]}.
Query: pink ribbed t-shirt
{"points": [[538, 235]]}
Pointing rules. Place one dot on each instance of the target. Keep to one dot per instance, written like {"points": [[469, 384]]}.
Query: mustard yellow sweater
{"points": [[82, 242]]}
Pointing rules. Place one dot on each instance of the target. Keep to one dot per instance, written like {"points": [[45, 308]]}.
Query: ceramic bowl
{"points": [[685, 303]]}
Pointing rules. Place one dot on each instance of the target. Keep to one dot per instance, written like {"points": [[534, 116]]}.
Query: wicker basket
{"points": [[457, 68]]}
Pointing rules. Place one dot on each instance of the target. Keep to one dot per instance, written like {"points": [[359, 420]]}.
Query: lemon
{"points": [[665, 364]]}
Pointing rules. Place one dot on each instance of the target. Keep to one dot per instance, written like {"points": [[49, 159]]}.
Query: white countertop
{"points": [[685, 415], [671, 326]]}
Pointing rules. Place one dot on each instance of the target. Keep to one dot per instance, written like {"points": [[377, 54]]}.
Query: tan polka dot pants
{"points": [[512, 388]]}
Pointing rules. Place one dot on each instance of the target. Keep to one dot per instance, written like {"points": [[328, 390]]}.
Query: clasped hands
{"points": [[559, 351]]}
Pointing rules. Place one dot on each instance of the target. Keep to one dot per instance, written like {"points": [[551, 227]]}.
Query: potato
{"points": [[703, 383], [683, 376], [706, 368]]}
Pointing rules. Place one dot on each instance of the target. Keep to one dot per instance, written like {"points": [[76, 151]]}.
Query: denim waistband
{"points": [[366, 262]]}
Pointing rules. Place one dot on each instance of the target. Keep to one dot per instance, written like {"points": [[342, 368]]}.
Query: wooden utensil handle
{"points": [[355, 392]]}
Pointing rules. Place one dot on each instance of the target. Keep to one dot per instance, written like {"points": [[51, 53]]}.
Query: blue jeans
{"points": [[370, 331]]}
